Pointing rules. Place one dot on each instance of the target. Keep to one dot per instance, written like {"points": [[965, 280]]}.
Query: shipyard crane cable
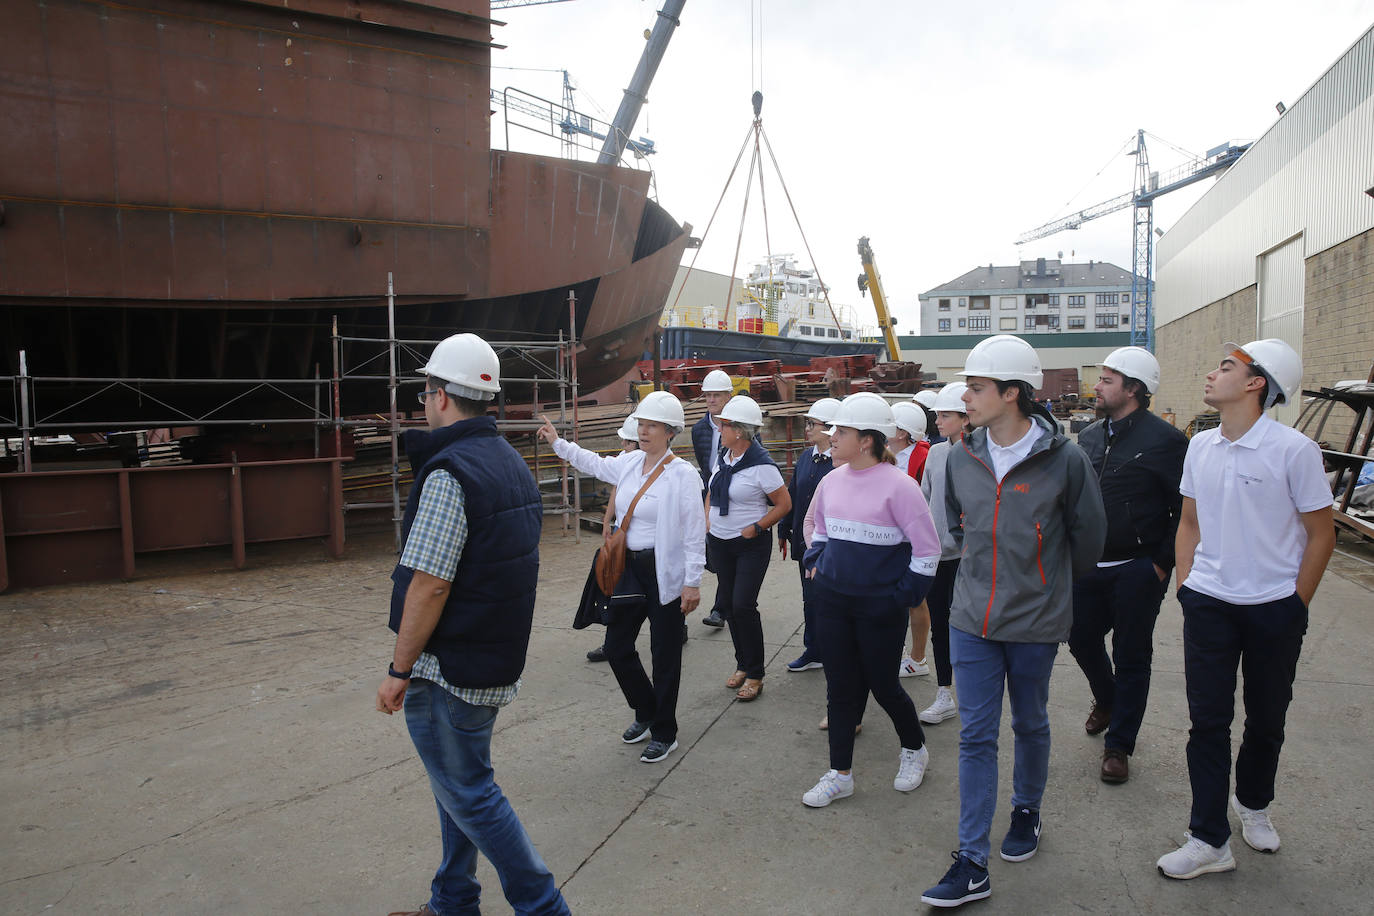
{"points": [[825, 289], [690, 267], [756, 127], [1068, 204]]}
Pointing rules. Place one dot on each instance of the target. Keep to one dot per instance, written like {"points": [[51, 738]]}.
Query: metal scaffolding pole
{"points": [[395, 419], [24, 409]]}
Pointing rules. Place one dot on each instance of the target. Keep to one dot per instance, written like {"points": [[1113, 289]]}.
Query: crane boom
{"points": [[1148, 186], [875, 286]]}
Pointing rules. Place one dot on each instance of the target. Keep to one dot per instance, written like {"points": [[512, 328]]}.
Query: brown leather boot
{"points": [[1098, 719], [1116, 767]]}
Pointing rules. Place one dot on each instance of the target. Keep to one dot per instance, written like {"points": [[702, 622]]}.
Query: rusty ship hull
{"points": [[198, 188]]}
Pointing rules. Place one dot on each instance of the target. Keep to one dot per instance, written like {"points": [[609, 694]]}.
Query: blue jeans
{"points": [[453, 739], [982, 667]]}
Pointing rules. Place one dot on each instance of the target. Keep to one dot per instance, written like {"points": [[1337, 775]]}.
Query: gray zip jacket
{"points": [[1024, 540], [933, 488]]}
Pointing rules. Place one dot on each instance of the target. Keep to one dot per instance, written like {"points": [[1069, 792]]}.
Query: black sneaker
{"points": [[965, 881], [1023, 837], [598, 654], [713, 619], [636, 733], [656, 751], [684, 632]]}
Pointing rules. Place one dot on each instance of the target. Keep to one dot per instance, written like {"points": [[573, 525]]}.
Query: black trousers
{"points": [[860, 643], [1264, 640], [740, 567], [653, 701], [940, 597], [1124, 601], [807, 613]]}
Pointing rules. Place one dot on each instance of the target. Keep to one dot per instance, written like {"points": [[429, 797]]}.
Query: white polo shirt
{"points": [[749, 491], [1004, 458], [1249, 494]]}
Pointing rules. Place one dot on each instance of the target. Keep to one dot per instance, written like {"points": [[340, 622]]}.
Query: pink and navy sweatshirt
{"points": [[874, 534]]}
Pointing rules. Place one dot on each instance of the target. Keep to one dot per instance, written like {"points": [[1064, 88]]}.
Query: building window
{"points": [[1008, 324], [1054, 298], [1075, 322], [844, 335], [944, 305], [963, 301], [806, 331], [833, 332], [1007, 304], [1107, 298], [1126, 297], [1054, 322], [1106, 321], [1077, 302], [980, 323], [1125, 319], [1030, 322], [944, 324], [980, 302], [962, 322], [810, 310]]}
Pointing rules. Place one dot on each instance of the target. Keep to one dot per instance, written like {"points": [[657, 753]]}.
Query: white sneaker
{"points": [[1194, 858], [911, 667], [1256, 827], [943, 708], [830, 787], [912, 769]]}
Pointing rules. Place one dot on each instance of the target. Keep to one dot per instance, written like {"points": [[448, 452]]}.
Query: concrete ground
{"points": [[206, 742]]}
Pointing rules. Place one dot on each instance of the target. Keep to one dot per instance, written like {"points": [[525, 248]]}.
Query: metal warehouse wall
{"points": [[1304, 179]]}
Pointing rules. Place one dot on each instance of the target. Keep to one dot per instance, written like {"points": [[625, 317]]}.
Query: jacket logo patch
{"points": [[1022, 488]]}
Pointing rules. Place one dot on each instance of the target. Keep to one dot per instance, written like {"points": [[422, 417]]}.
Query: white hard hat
{"points": [[660, 407], [1137, 363], [717, 380], [1006, 358], [824, 410], [742, 409], [951, 398], [468, 364], [1279, 362], [629, 430], [865, 410], [926, 398], [910, 417]]}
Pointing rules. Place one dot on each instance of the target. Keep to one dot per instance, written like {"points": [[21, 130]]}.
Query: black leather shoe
{"points": [[713, 619], [598, 654]]}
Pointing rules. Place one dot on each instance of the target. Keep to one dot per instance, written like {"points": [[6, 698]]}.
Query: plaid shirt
{"points": [[434, 546]]}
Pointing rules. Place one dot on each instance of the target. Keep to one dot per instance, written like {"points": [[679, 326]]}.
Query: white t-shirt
{"points": [[904, 457], [1008, 457], [1249, 494], [640, 535], [749, 491]]}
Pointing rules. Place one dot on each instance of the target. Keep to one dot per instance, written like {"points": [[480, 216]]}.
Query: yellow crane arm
{"points": [[875, 286]]}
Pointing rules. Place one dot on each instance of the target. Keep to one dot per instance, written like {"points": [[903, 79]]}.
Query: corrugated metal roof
{"points": [[1305, 177]]}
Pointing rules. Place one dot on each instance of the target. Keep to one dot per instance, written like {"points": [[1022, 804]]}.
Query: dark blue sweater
{"points": [[806, 476]]}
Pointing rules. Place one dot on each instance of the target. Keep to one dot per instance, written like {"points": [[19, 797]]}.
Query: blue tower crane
{"points": [[1148, 186]]}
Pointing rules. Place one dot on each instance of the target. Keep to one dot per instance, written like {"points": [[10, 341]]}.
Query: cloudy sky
{"points": [[942, 131]]}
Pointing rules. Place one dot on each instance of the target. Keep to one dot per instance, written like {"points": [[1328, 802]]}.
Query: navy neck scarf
{"points": [[720, 483]]}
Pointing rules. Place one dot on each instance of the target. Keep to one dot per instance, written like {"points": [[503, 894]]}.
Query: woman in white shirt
{"points": [[739, 534], [665, 553]]}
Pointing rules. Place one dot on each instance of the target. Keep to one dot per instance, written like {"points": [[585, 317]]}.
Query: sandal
{"points": [[736, 680], [825, 725], [751, 690]]}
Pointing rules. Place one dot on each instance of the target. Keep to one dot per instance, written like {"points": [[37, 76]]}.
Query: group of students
{"points": [[1014, 540]]}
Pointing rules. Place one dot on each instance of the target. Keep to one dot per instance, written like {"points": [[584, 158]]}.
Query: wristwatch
{"points": [[759, 529], [399, 675]]}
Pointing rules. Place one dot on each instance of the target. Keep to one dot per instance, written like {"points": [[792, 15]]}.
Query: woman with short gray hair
{"points": [[738, 534]]}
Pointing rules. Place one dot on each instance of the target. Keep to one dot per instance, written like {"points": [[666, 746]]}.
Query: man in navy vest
{"points": [[716, 390], [462, 604]]}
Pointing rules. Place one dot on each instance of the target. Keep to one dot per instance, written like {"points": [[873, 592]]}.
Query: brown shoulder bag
{"points": [[610, 560]]}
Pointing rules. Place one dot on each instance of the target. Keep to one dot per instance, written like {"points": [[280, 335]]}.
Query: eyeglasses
{"points": [[423, 396]]}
